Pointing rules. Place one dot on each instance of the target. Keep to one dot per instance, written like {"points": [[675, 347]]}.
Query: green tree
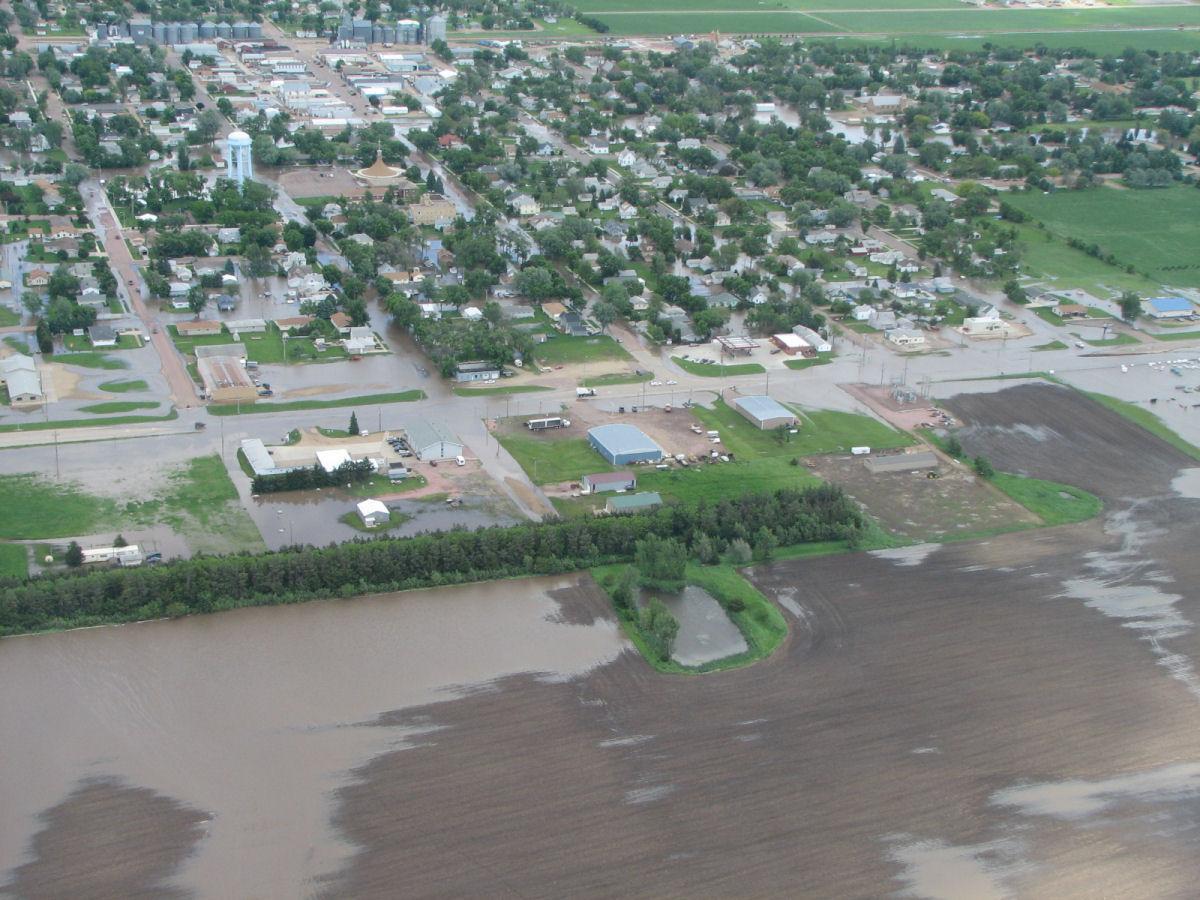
{"points": [[624, 589], [74, 556], [954, 446], [659, 628], [660, 563], [197, 300], [983, 467], [765, 543], [1131, 306], [353, 428], [739, 552], [120, 541]]}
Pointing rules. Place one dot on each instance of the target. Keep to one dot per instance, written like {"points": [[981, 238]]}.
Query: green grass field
{"points": [[266, 348], [928, 23], [121, 387], [14, 561], [59, 424], [90, 359], [1156, 231], [564, 350], [1053, 503], [615, 378], [118, 406], [8, 317], [232, 409], [38, 508], [716, 370], [501, 390], [548, 460]]}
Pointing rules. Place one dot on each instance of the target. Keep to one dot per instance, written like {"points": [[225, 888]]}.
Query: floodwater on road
{"points": [[220, 739]]}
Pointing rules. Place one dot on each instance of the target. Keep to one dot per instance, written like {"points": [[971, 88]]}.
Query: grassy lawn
{"points": [[118, 406], [266, 348], [860, 327], [1113, 341], [1053, 503], [84, 344], [1156, 231], [381, 484], [14, 561], [564, 350], [501, 390], [616, 378], [1047, 255], [548, 460], [808, 363], [716, 370], [1147, 420], [758, 619], [1053, 345], [1178, 336], [88, 423], [38, 508], [1048, 315], [121, 387], [721, 481], [231, 409], [90, 359], [8, 317], [820, 431]]}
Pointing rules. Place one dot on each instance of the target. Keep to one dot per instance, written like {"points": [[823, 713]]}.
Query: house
{"points": [[431, 209], [361, 340], [20, 377], [1168, 308], [1071, 311], [525, 205], [430, 441], [476, 370], [905, 337], [102, 336], [199, 328], [861, 313], [341, 322], [790, 344], [553, 310], [608, 481], [37, 278], [572, 324], [373, 512], [292, 324], [246, 326]]}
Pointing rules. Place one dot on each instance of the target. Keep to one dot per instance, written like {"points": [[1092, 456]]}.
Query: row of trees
{"points": [[316, 477], [205, 584]]}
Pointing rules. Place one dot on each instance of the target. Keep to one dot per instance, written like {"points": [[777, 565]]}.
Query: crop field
{"points": [[1156, 231], [923, 19]]}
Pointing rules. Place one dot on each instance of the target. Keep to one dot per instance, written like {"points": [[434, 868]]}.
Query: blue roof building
{"points": [[623, 444], [1168, 308]]}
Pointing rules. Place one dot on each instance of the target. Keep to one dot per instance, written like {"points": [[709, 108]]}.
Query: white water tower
{"points": [[238, 162]]}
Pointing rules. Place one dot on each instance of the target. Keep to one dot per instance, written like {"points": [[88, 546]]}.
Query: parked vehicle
{"points": [[548, 422]]}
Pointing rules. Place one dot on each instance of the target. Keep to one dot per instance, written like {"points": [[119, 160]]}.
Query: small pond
{"points": [[705, 631]]}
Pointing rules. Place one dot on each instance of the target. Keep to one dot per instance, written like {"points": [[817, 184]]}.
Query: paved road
{"points": [[109, 230]]}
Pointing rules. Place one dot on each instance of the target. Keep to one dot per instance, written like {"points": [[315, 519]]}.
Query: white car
{"points": [[672, 381], [655, 384]]}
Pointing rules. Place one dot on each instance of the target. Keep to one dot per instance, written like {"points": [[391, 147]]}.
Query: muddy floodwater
{"points": [[705, 631], [205, 752], [1011, 717]]}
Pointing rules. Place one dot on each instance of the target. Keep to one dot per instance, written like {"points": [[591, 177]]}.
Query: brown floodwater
{"points": [[205, 752]]}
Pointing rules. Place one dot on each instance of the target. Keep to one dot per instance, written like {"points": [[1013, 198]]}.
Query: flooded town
{"points": [[509, 449]]}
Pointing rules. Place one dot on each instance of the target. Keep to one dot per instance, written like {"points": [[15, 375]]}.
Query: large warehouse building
{"points": [[764, 412], [623, 444]]}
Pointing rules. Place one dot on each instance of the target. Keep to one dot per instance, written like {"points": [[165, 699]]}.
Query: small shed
{"points": [[608, 481], [764, 412], [621, 444], [373, 512]]}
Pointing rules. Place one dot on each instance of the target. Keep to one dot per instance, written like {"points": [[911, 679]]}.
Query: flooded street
{"points": [[230, 732]]}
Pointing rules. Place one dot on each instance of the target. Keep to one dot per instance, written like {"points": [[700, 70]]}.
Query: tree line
{"points": [[314, 477], [207, 584]]}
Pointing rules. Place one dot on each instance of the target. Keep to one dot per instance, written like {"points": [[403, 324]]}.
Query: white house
{"points": [[361, 340], [905, 337], [373, 512]]}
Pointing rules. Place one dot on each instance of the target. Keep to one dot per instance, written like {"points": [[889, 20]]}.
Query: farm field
{"points": [[924, 19], [1156, 231]]}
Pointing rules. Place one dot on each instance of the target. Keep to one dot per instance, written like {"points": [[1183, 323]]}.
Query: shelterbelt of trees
{"points": [[207, 584]]}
